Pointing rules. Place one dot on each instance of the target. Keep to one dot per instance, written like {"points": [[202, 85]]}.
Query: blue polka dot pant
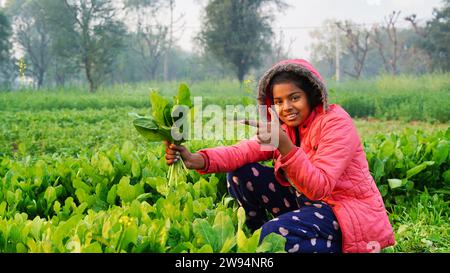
{"points": [[308, 226]]}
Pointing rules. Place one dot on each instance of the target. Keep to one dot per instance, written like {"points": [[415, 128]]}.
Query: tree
{"points": [[151, 44], [5, 33], [150, 39], [323, 49], [357, 44], [279, 51], [420, 37], [171, 38], [32, 34], [5, 48], [388, 49], [437, 42], [238, 32], [87, 31]]}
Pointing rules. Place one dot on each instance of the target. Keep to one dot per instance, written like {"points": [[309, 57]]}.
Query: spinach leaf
{"points": [[150, 130], [158, 106]]}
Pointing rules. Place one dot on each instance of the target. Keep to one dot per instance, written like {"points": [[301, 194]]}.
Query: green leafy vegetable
{"points": [[161, 126]]}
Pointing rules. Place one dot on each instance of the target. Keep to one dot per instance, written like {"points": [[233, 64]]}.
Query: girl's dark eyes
{"points": [[293, 98]]}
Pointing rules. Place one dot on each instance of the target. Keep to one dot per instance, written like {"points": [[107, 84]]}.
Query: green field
{"points": [[75, 176]]}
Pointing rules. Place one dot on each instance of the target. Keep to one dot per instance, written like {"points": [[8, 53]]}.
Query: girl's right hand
{"points": [[176, 152]]}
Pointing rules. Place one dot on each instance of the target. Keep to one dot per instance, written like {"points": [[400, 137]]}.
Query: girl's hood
{"points": [[299, 67]]}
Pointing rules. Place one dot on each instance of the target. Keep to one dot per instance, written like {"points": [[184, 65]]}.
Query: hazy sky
{"points": [[303, 15], [298, 20]]}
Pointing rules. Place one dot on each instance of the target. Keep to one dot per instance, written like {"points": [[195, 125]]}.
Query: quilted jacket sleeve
{"points": [[230, 158], [317, 177]]}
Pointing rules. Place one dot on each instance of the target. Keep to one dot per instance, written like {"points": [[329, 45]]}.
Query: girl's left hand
{"points": [[271, 133]]}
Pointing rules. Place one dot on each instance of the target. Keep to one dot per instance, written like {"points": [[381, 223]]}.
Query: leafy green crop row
{"points": [[118, 199], [117, 202], [138, 227], [400, 163], [409, 161]]}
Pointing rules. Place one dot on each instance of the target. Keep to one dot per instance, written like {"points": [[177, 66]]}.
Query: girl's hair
{"points": [[312, 94]]}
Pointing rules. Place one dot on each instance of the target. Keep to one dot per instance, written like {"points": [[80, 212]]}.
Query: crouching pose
{"points": [[320, 192]]}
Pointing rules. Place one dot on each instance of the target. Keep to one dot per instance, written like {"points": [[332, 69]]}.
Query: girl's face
{"points": [[291, 104]]}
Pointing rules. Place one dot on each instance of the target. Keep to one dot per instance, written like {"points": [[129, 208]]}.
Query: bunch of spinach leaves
{"points": [[164, 125]]}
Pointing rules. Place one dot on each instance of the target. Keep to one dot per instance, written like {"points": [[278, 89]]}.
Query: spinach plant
{"points": [[165, 124]]}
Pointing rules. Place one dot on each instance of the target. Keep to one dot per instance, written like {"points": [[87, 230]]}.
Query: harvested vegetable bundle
{"points": [[162, 125]]}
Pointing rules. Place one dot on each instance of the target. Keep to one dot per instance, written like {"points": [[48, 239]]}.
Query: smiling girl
{"points": [[320, 192]]}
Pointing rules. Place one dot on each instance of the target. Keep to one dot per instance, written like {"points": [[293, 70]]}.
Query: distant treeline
{"points": [[104, 42]]}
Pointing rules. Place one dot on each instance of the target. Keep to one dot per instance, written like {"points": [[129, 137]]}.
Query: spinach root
{"points": [[177, 173]]}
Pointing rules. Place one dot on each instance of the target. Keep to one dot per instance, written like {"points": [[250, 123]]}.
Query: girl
{"points": [[320, 190]]}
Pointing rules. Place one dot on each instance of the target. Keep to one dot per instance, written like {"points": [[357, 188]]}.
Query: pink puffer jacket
{"points": [[330, 165]]}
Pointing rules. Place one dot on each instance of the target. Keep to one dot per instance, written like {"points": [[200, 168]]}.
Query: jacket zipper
{"points": [[298, 144]]}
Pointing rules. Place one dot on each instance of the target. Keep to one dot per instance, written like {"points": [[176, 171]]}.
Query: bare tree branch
{"points": [[357, 44]]}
